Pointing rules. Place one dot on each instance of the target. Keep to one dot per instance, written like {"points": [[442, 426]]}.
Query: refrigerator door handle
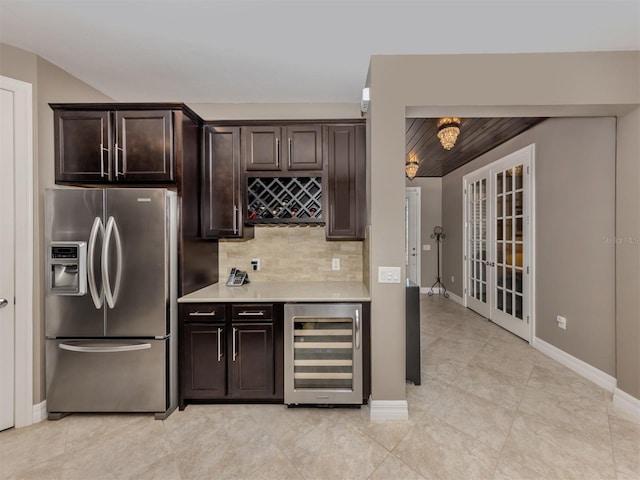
{"points": [[97, 297], [111, 296], [92, 348]]}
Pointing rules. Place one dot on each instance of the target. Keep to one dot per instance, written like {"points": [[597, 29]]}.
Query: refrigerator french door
{"points": [[111, 347]]}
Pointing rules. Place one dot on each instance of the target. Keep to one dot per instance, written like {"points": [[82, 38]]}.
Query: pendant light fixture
{"points": [[411, 166], [448, 131]]}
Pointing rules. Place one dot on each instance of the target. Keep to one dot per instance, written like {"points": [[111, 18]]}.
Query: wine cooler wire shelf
{"points": [[297, 199]]}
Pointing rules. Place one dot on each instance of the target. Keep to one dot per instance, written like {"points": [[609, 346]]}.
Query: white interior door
{"points": [[412, 234], [7, 315], [499, 242]]}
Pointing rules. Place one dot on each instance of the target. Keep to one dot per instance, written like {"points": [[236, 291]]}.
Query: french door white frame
{"points": [[530, 311], [23, 205]]}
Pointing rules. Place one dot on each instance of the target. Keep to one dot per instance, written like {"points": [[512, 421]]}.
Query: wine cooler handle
{"points": [[357, 329]]}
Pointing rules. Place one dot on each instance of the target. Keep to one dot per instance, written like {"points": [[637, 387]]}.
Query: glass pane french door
{"points": [[498, 242], [510, 250], [477, 242]]}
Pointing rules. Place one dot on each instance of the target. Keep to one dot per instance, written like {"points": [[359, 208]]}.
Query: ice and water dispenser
{"points": [[68, 268]]}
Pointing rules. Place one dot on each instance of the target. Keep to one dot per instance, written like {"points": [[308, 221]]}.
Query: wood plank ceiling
{"points": [[477, 136]]}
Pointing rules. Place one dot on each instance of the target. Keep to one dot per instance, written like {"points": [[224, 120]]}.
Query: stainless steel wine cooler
{"points": [[323, 353]]}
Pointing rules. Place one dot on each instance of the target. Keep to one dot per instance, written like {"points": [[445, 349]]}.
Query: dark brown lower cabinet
{"points": [[204, 372], [251, 366], [226, 358]]}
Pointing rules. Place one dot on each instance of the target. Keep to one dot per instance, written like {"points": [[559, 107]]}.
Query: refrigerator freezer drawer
{"points": [[128, 375]]}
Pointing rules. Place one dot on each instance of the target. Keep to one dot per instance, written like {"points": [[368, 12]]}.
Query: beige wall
{"points": [[628, 253], [50, 85], [551, 83], [292, 253], [430, 216], [574, 268]]}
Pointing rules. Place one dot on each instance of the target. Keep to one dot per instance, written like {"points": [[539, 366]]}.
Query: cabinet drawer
{"points": [[202, 312], [251, 311]]}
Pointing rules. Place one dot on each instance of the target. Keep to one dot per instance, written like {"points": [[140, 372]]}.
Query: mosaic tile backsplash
{"points": [[292, 253]]}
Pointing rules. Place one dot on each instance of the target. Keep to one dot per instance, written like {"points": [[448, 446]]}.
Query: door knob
{"points": [[3, 302]]}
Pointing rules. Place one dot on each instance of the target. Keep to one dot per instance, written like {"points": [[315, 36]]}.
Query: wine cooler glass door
{"points": [[323, 354]]}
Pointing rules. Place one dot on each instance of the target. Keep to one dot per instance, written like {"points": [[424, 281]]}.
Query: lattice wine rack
{"points": [[284, 200]]}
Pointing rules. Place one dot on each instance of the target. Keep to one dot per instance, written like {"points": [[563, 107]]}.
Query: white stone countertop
{"points": [[281, 292]]}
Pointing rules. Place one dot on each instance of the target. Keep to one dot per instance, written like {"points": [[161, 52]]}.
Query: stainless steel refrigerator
{"points": [[111, 312]]}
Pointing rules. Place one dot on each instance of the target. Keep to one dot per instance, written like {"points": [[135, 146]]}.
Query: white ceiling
{"points": [[291, 51]]}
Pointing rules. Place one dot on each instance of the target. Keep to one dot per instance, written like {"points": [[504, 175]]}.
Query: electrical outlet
{"points": [[255, 264], [452, 279], [335, 264], [562, 322], [426, 247]]}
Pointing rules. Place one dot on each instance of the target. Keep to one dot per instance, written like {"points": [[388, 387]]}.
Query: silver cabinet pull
{"points": [[235, 353], [235, 219], [102, 149], [277, 153], [97, 297], [78, 347], [124, 160], [246, 313], [290, 153], [203, 314], [357, 329], [3, 302], [116, 154], [220, 330]]}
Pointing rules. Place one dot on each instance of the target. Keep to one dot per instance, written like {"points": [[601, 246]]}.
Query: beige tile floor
{"points": [[489, 407]]}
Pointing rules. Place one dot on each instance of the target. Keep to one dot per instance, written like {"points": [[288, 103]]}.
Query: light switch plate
{"points": [[388, 274], [426, 247]]}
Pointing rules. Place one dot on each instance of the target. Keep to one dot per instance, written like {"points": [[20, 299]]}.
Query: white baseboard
{"points": [[389, 410], [589, 372], [456, 298], [439, 291], [40, 411], [627, 403]]}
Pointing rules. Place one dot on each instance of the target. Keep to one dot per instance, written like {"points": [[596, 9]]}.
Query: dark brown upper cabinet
{"points": [[346, 182], [289, 148], [222, 197], [117, 143]]}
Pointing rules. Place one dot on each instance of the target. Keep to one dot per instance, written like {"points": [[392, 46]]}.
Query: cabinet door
{"points": [[251, 361], [83, 149], [143, 146], [203, 371], [221, 202], [261, 148], [346, 182], [303, 147]]}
